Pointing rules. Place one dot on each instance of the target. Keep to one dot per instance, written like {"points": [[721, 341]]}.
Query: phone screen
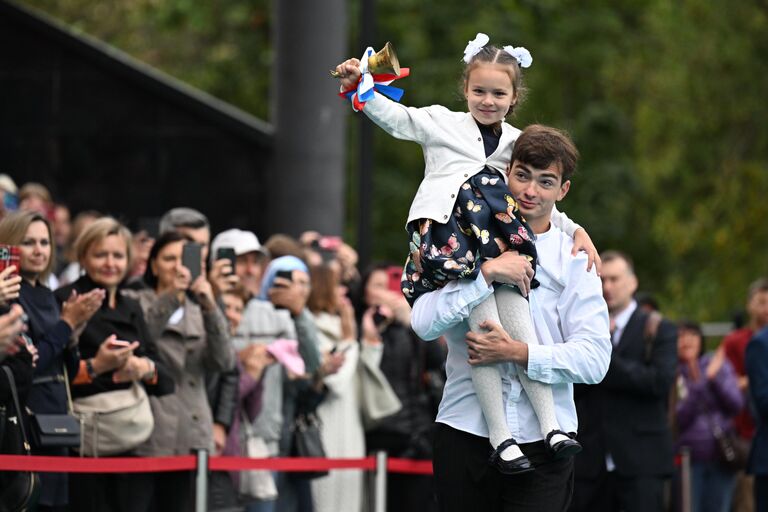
{"points": [[191, 257], [227, 253], [285, 274]]}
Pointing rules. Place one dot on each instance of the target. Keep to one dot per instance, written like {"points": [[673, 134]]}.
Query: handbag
{"points": [[17, 488], [306, 442], [732, 449], [114, 422], [56, 430], [377, 398], [256, 483]]}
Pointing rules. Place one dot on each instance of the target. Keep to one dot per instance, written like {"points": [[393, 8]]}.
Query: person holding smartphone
{"points": [[191, 336], [117, 350], [48, 327], [10, 284]]}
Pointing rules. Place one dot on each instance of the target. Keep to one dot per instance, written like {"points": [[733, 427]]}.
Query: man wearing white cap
{"points": [[251, 256], [261, 323]]}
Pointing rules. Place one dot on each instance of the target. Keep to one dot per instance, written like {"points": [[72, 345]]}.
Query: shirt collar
{"points": [[621, 320]]}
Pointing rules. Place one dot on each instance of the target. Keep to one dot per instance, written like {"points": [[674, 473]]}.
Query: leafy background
{"points": [[665, 99]]}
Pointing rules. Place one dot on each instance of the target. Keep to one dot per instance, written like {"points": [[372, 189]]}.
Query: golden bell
{"points": [[382, 62]]}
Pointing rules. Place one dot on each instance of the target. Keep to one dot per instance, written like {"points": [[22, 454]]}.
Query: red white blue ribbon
{"points": [[368, 83]]}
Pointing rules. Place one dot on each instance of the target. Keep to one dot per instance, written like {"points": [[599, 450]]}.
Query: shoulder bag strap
{"points": [[69, 393], [14, 394], [649, 333]]}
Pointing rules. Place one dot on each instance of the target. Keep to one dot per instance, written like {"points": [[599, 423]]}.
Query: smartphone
{"points": [[9, 255], [395, 278], [191, 257], [378, 318], [227, 253], [285, 274], [327, 247], [329, 243]]}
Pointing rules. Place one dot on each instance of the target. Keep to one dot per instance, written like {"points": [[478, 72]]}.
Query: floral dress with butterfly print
{"points": [[486, 222]]}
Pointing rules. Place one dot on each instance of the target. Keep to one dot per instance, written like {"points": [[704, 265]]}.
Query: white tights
{"points": [[511, 310]]}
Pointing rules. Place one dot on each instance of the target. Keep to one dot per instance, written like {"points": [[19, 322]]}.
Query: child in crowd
{"points": [[463, 215]]}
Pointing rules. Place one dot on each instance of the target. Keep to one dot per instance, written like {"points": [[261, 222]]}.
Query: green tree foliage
{"points": [[220, 46], [665, 101]]}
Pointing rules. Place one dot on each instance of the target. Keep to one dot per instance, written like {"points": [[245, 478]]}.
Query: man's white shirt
{"points": [[571, 322]]}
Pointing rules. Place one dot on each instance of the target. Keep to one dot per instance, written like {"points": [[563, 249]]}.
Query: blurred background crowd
{"points": [[216, 341], [237, 346]]}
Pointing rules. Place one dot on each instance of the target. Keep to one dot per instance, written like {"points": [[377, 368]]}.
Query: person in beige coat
{"points": [[341, 424], [192, 338]]}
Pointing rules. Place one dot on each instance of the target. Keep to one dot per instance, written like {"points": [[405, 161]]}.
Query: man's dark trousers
{"points": [[465, 481]]}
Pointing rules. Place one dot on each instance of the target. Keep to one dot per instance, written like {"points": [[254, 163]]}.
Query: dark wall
{"points": [[104, 136]]}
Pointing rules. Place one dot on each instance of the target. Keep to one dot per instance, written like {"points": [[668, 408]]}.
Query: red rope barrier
{"points": [[413, 467], [97, 465], [289, 464], [189, 463]]}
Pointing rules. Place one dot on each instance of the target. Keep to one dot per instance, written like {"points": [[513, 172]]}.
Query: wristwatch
{"points": [[89, 369]]}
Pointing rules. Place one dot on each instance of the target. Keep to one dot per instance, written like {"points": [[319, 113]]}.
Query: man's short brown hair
{"points": [[613, 255], [539, 146]]}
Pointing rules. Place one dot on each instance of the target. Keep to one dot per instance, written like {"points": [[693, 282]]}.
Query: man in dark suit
{"points": [[623, 425], [757, 371]]}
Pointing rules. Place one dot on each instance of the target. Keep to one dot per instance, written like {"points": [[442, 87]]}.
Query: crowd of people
{"points": [[667, 393], [249, 345], [161, 341]]}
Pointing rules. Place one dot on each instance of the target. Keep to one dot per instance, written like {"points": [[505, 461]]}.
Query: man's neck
{"points": [[540, 225]]}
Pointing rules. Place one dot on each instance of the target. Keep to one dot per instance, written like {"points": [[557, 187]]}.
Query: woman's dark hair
{"points": [[694, 327], [167, 238], [358, 299]]}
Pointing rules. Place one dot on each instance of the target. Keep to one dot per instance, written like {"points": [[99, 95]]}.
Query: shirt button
{"points": [[194, 417], [479, 139], [466, 175], [191, 383], [445, 216], [453, 195]]}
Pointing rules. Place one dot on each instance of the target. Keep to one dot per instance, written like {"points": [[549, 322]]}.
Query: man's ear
{"points": [[564, 188]]}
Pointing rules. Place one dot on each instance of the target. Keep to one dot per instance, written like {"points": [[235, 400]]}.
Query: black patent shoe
{"points": [[565, 448], [509, 467]]}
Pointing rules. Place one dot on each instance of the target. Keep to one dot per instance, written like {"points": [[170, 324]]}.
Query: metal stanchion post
{"points": [[685, 479], [380, 491], [201, 482]]}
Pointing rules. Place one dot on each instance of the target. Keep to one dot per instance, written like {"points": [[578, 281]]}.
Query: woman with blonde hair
{"points": [[116, 351], [49, 326]]}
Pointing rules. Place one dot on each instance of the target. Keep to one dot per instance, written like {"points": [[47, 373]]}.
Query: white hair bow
{"points": [[522, 55], [474, 47]]}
